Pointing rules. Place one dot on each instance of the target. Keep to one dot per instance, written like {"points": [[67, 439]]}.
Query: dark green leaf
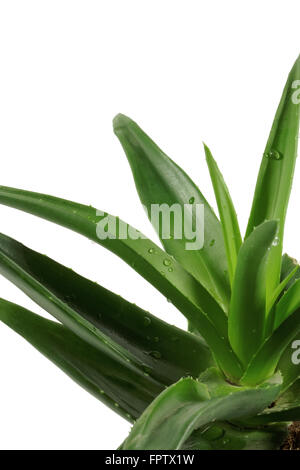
{"points": [[102, 372], [166, 352]]}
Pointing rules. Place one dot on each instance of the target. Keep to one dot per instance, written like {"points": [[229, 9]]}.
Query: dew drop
{"points": [[170, 270], [166, 262], [146, 370], [191, 200], [147, 321], [151, 251], [116, 405], [155, 354], [273, 155]]}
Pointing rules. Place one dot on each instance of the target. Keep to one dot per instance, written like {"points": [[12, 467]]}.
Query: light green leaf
{"points": [[276, 172], [106, 375], [267, 358], [187, 405], [160, 181], [246, 321], [230, 226], [288, 304], [281, 287]]}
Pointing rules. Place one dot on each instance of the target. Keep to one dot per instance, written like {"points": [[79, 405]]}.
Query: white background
{"points": [[186, 71]]}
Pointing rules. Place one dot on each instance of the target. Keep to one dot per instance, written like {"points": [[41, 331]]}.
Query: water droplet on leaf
{"points": [[273, 155], [155, 354]]}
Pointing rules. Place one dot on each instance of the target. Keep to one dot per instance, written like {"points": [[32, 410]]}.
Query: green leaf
{"points": [[166, 352], [286, 408], [100, 371], [246, 321], [230, 226], [267, 358], [277, 293], [187, 405], [289, 364], [160, 181], [162, 271], [287, 266], [288, 303], [276, 172], [280, 288], [229, 437]]}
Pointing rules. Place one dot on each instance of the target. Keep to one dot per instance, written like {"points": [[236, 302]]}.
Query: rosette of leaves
{"points": [[229, 381]]}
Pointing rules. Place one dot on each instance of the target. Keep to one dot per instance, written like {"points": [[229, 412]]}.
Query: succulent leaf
{"points": [[276, 172], [188, 405], [106, 375], [165, 351], [247, 316], [228, 217], [160, 181]]}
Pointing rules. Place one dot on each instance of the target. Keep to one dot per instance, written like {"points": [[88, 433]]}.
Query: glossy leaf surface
{"points": [[230, 226], [160, 181], [107, 376], [164, 351], [248, 302]]}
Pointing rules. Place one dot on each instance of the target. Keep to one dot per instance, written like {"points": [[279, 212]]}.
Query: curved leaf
{"points": [[267, 358], [165, 351], [246, 321], [288, 264], [160, 181], [275, 176], [289, 364], [229, 437], [163, 272], [288, 303], [103, 373], [172, 417], [283, 286], [230, 226], [286, 408]]}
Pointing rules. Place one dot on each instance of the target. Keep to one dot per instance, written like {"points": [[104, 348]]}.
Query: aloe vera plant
{"points": [[232, 380]]}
